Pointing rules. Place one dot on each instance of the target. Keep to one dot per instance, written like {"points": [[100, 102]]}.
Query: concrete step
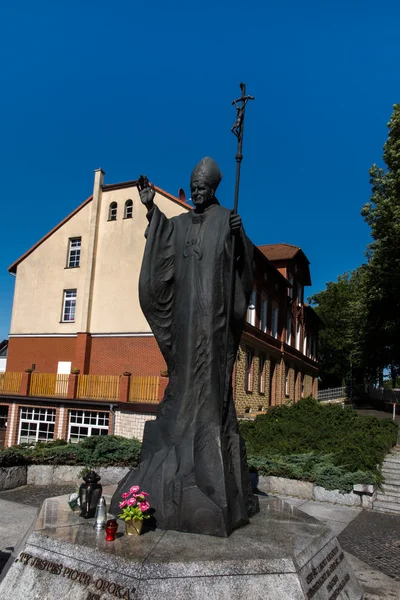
{"points": [[388, 507], [391, 477], [392, 490], [388, 498], [392, 458], [391, 464]]}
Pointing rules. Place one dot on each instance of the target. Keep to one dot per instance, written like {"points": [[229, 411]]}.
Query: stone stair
{"points": [[388, 499]]}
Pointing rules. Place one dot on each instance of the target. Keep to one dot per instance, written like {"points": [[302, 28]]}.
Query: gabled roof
{"points": [[281, 251], [113, 186], [272, 267], [279, 254]]}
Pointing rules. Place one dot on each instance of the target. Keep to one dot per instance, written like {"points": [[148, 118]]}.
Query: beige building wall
{"points": [[109, 275], [120, 247], [41, 278]]}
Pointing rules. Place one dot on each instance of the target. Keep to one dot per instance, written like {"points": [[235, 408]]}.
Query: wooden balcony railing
{"points": [[98, 387], [144, 389], [10, 383], [48, 384]]}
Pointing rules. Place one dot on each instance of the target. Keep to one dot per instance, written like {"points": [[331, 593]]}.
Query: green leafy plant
{"points": [[325, 444], [95, 451], [134, 505]]}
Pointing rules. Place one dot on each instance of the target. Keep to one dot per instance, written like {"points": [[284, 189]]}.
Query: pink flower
{"points": [[144, 506], [122, 504], [126, 495], [144, 493], [134, 489], [131, 501]]}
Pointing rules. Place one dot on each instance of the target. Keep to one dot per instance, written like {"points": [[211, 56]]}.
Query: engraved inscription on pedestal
{"points": [[82, 578], [328, 574]]}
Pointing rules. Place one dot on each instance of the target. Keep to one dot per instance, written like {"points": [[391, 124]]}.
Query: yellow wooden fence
{"points": [[144, 389], [99, 387], [10, 382], [48, 384]]}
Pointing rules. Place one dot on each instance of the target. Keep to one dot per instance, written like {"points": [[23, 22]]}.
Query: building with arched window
{"points": [[82, 334]]}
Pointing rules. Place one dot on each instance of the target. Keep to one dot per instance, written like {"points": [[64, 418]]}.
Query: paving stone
{"points": [[375, 539], [34, 495]]}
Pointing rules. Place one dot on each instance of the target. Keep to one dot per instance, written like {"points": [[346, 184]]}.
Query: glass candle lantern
{"points": [[90, 493], [101, 515]]}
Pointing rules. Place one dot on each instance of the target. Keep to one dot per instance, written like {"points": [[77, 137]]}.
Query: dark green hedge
{"points": [[110, 450], [332, 446]]}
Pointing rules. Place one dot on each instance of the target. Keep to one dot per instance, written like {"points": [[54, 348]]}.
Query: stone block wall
{"points": [[131, 424], [308, 385]]}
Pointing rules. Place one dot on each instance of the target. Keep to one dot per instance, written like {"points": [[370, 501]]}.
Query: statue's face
{"points": [[201, 193]]}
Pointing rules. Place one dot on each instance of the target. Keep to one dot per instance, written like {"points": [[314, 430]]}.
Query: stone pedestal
{"points": [[283, 554]]}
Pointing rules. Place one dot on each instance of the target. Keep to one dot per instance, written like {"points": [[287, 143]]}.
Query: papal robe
{"points": [[193, 462]]}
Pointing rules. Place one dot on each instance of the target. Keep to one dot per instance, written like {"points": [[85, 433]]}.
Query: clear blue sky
{"points": [[146, 87]]}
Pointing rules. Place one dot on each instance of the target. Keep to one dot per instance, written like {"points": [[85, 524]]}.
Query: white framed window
{"points": [[314, 348], [298, 335], [288, 327], [249, 370], [305, 344], [251, 311], [287, 382], [299, 293], [112, 211], [128, 210], [290, 280], [310, 345], [36, 425], [274, 320], [85, 423], [264, 313], [74, 252], [69, 306], [261, 387]]}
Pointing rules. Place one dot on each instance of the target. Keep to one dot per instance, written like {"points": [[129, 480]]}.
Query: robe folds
{"points": [[193, 462]]}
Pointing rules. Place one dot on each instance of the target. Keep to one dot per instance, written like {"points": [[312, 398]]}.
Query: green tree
{"points": [[382, 213], [342, 310]]}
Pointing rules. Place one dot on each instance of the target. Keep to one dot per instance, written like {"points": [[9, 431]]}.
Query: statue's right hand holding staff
{"points": [[146, 191]]}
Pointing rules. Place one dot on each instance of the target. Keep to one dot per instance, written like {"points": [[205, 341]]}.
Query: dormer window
{"points": [[274, 320], [251, 311], [112, 211], [300, 293], [290, 280], [128, 211], [288, 327]]}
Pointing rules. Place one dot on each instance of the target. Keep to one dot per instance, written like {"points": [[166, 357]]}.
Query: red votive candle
{"points": [[111, 530]]}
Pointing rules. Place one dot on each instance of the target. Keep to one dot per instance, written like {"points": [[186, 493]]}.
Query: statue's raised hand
{"points": [[146, 191]]}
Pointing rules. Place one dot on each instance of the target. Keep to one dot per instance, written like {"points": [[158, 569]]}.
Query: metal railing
{"points": [[10, 382], [332, 394], [48, 384], [144, 389], [98, 387]]}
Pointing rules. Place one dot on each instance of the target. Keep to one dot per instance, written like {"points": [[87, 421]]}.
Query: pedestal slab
{"points": [[282, 554]]}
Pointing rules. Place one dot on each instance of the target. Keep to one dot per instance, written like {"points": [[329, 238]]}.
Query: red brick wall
{"points": [[44, 352], [114, 355], [104, 356]]}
